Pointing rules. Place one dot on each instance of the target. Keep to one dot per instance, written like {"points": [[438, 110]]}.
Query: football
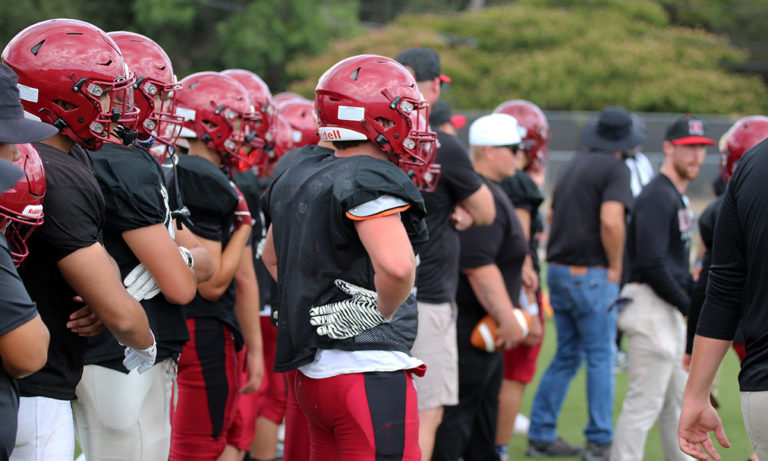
{"points": [[486, 332]]}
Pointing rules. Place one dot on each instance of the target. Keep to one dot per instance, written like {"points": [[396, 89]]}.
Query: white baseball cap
{"points": [[495, 130]]}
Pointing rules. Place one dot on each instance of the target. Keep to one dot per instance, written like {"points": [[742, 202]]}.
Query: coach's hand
{"points": [[349, 317], [143, 359], [697, 420], [140, 284]]}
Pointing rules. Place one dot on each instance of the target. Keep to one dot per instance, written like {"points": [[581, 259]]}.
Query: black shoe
{"points": [[557, 448], [597, 451]]}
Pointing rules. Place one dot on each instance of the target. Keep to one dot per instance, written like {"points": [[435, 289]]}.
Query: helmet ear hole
{"points": [[65, 105]]}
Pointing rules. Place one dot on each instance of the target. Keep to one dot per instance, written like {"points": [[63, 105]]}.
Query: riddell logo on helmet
{"points": [[330, 135], [33, 211]]}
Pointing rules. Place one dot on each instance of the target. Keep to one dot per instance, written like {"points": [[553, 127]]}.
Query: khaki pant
{"points": [[125, 417], [656, 379], [754, 408]]}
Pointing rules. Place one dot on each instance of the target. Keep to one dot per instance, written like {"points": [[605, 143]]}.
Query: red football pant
{"points": [[207, 392], [272, 393], [240, 432], [361, 416]]}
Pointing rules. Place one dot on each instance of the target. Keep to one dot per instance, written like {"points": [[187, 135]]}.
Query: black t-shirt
{"points": [[211, 199], [316, 243], [74, 217], [135, 196], [437, 273], [525, 194], [16, 309], [502, 243], [588, 180], [659, 242], [737, 289]]}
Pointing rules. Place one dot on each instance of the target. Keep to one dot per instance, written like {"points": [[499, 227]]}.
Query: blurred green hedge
{"points": [[566, 55]]}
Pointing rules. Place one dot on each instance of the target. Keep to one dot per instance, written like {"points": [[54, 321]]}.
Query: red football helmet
{"points": [[300, 113], [285, 96], [21, 207], [154, 87], [72, 75], [264, 127], [216, 108], [375, 98], [284, 141], [530, 117], [742, 136]]}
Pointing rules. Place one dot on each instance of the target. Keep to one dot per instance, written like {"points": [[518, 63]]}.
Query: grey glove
{"points": [[349, 317], [143, 359]]}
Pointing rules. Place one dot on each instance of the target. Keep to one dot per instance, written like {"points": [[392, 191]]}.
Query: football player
{"points": [[121, 414], [24, 337], [344, 228], [220, 321], [72, 76]]}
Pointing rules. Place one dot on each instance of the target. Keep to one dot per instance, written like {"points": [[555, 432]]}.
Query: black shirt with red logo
{"points": [[659, 241]]}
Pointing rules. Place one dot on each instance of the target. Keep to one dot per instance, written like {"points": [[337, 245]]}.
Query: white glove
{"points": [[349, 317], [140, 284], [141, 358]]}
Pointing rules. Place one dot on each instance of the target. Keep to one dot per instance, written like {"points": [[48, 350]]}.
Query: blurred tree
{"points": [[567, 55], [744, 21], [262, 36]]}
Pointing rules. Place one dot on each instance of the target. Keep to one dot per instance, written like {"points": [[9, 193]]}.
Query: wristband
{"points": [[188, 258]]}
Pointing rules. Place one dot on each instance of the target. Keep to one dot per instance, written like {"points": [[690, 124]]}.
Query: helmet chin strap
{"points": [[126, 135]]}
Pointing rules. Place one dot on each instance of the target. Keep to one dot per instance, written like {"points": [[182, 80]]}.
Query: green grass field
{"points": [[574, 413]]}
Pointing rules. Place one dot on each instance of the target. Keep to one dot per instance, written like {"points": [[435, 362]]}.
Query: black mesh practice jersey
{"points": [[587, 180], [316, 243], [74, 216], [501, 243], [438, 270], [135, 196], [16, 309], [737, 293], [211, 199]]}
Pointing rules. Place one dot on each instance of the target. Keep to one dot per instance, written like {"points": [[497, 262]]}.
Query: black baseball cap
{"points": [[425, 63], [14, 128], [686, 130]]}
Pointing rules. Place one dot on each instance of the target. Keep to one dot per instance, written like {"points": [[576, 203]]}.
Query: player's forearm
{"points": [[706, 358], [393, 288], [230, 259]]}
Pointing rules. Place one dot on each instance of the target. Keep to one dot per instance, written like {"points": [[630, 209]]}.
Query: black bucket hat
{"points": [[612, 132], [14, 128]]}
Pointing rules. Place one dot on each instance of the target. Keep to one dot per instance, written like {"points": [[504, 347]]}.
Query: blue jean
{"points": [[584, 330]]}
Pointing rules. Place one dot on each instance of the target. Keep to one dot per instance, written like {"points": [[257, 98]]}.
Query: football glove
{"points": [[142, 359], [140, 284], [349, 317]]}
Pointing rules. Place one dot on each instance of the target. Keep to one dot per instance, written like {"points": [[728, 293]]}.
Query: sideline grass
{"points": [[573, 417]]}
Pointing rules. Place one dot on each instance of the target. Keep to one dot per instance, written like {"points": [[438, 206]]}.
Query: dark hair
{"points": [[341, 145]]}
